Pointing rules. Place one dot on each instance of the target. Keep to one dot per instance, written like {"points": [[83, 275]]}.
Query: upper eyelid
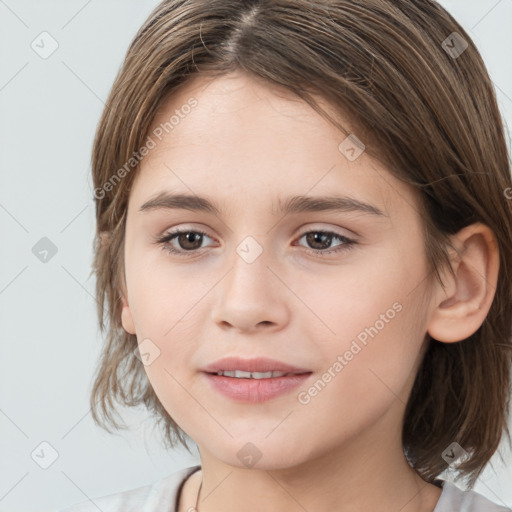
{"points": [[305, 228]]}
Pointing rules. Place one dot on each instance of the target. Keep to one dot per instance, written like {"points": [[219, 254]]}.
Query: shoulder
{"points": [[149, 498], [454, 499]]}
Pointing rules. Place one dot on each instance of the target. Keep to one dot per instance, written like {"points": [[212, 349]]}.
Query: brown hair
{"points": [[428, 114]]}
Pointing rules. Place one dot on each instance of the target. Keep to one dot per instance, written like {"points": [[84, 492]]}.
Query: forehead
{"points": [[234, 136]]}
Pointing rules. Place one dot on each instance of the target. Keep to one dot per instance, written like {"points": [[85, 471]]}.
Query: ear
{"points": [[461, 308], [104, 239], [126, 316]]}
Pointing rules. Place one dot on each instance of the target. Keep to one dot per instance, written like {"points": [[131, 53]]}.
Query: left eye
{"points": [[189, 241], [325, 238]]}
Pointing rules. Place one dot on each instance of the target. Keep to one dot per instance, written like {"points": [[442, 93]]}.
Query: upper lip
{"points": [[258, 364]]}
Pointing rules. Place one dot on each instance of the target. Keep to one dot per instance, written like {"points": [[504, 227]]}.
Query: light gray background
{"points": [[49, 109]]}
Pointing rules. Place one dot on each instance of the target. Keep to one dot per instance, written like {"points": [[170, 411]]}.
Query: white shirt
{"points": [[162, 496]]}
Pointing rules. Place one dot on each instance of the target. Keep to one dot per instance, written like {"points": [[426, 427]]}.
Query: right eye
{"points": [[188, 239]]}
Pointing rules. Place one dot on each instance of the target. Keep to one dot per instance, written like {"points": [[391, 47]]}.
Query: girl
{"points": [[304, 255]]}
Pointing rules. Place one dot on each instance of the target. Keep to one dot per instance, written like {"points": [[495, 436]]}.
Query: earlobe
{"points": [[126, 317], [471, 291]]}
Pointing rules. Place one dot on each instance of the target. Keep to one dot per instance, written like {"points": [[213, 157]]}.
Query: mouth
{"points": [[254, 387], [256, 368], [241, 374], [253, 380]]}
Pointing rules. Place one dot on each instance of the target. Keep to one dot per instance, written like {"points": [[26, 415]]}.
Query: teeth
{"points": [[239, 374]]}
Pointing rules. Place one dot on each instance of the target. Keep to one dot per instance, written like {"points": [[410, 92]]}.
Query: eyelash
{"points": [[347, 244]]}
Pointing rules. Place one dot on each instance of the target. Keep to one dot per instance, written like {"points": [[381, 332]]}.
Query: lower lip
{"points": [[255, 390]]}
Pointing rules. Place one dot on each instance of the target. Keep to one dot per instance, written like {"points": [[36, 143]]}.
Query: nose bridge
{"points": [[249, 264]]}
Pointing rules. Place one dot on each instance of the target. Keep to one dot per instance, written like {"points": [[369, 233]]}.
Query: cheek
{"points": [[363, 380], [344, 300], [379, 329], [170, 370], [160, 293]]}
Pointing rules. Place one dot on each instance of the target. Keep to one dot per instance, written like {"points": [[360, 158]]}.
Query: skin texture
{"points": [[244, 146]]}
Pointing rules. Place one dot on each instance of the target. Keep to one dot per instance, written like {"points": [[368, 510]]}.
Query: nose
{"points": [[252, 296]]}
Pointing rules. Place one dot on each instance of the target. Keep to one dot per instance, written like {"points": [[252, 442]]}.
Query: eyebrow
{"points": [[294, 204]]}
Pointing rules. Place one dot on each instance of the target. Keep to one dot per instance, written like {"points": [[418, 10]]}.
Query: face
{"points": [[336, 293]]}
